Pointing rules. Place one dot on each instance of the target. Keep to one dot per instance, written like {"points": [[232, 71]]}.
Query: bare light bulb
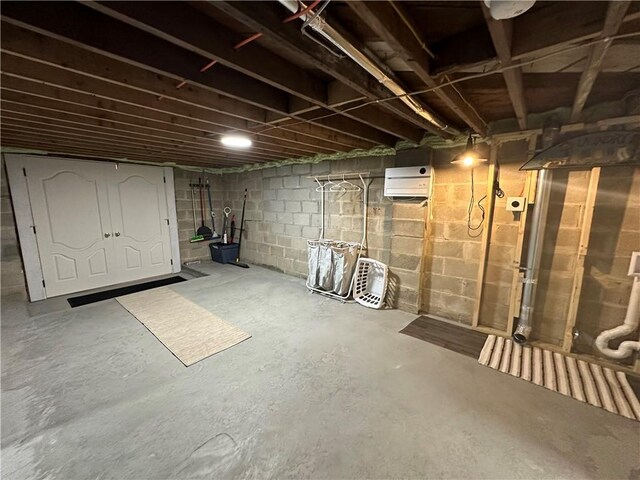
{"points": [[236, 141]]}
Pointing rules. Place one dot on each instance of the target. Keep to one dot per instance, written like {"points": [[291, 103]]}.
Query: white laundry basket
{"points": [[370, 283]]}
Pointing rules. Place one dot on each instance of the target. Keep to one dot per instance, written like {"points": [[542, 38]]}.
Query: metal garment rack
{"points": [[323, 181]]}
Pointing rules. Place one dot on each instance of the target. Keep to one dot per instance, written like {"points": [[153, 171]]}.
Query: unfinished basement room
{"points": [[322, 240]]}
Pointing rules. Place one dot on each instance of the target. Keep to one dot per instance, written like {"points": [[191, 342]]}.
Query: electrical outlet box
{"points": [[516, 204]]}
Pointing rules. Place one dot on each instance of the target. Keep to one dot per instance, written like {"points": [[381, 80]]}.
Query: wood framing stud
{"points": [[585, 232], [486, 233]]}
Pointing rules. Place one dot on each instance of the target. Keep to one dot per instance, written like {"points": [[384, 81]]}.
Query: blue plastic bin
{"points": [[224, 253]]}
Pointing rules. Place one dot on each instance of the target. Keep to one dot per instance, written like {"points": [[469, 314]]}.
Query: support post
{"points": [[486, 233]]}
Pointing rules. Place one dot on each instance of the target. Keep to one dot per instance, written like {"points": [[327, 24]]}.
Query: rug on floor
{"points": [[447, 335], [189, 331], [585, 381]]}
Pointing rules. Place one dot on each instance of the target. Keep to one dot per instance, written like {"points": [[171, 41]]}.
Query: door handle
{"points": [[117, 234], [107, 235]]}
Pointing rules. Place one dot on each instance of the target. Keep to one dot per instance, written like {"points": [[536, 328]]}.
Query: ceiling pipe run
{"points": [[320, 26]]}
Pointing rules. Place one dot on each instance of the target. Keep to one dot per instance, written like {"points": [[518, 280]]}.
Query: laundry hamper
{"points": [[313, 247], [344, 262], [370, 283]]}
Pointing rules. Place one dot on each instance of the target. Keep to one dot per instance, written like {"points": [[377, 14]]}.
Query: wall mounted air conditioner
{"points": [[407, 182]]}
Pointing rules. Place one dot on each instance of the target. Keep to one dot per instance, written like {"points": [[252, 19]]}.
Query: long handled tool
{"points": [[213, 215], [226, 211], [196, 237], [238, 263], [204, 231]]}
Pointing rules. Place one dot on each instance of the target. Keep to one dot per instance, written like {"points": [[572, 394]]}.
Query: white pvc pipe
{"points": [[332, 35], [631, 320]]}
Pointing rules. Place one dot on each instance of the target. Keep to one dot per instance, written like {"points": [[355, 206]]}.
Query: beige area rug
{"points": [[585, 381], [189, 331]]}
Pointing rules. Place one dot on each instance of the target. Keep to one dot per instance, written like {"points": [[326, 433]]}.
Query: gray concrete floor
{"points": [[322, 390]]}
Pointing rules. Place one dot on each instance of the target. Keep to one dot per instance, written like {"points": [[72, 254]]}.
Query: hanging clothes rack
{"points": [[328, 280]]}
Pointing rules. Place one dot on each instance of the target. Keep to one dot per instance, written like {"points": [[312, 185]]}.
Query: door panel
{"points": [[69, 202], [139, 216]]}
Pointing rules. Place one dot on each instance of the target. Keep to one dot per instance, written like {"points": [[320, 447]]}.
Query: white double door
{"points": [[98, 223]]}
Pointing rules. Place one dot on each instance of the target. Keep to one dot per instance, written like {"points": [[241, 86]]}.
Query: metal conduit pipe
{"points": [[534, 255], [320, 26]]}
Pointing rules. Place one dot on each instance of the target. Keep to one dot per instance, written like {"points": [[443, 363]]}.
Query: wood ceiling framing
{"points": [[162, 81]]}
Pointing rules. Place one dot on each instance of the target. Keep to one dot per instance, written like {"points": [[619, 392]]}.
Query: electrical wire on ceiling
{"points": [[465, 79]]}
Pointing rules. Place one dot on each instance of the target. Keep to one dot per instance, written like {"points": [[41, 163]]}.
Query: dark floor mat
{"points": [[458, 339], [117, 292]]}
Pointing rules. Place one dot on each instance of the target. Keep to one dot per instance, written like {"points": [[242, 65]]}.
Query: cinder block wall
{"points": [[452, 251], [615, 233], [283, 212], [12, 280], [184, 210], [560, 250]]}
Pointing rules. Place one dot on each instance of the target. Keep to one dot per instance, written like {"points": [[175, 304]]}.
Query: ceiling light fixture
{"points": [[470, 157], [236, 141]]}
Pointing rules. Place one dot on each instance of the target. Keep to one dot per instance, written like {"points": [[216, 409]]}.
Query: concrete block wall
{"points": [[452, 251], [12, 280], [501, 256], [560, 251], [615, 233], [283, 212], [184, 210]]}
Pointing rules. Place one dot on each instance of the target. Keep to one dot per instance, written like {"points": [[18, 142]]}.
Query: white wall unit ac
{"points": [[407, 182]]}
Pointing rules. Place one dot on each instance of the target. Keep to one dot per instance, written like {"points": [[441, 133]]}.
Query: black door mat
{"points": [[117, 292], [458, 339]]}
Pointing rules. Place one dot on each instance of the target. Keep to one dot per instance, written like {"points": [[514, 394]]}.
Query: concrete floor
{"points": [[322, 390]]}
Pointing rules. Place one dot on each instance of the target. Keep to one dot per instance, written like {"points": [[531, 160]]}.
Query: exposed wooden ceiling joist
{"points": [[501, 32], [383, 18], [189, 29], [613, 20], [76, 24], [539, 32], [266, 18]]}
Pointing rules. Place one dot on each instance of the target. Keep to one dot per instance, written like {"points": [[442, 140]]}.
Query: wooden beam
{"points": [[502, 35], [76, 24], [29, 114], [585, 233], [615, 14], [563, 24], [184, 26], [61, 146], [20, 72], [486, 234], [29, 93], [266, 18], [46, 131], [51, 52], [387, 21]]}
